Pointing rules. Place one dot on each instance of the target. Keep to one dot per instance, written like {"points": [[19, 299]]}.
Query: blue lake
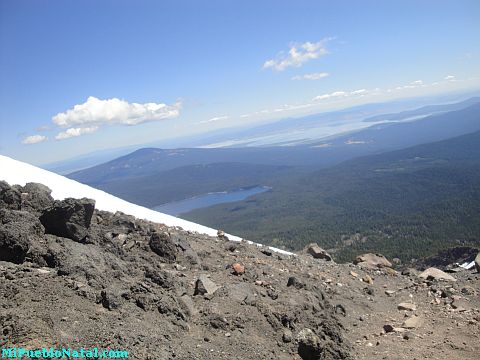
{"points": [[179, 207]]}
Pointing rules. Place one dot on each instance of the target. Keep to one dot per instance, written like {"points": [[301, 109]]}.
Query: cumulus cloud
{"points": [[297, 55], [312, 76], [96, 112], [74, 132], [34, 139], [449, 78]]}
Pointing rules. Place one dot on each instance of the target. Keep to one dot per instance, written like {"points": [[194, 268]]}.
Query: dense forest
{"points": [[407, 204]]}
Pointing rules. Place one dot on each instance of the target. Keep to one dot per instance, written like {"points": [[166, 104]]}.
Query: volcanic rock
{"points": [[293, 281], [10, 197], [242, 293], [372, 261], [317, 252], [204, 286], [434, 273], [367, 279], [407, 306], [308, 345], [19, 231], [162, 245], [36, 197], [413, 322], [238, 269], [69, 218], [388, 328]]}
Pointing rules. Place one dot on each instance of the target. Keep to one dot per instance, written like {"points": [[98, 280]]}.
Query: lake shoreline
{"points": [[178, 207]]}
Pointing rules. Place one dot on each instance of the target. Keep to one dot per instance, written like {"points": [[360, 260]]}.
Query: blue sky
{"points": [[140, 71]]}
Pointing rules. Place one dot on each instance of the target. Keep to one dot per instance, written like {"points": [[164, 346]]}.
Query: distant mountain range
{"points": [[378, 138], [283, 132], [424, 111]]}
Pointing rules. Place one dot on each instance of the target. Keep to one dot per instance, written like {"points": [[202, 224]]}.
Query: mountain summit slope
{"points": [[75, 277]]}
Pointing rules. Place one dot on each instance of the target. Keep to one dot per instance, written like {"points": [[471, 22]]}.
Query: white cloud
{"points": [[336, 94], [34, 139], [359, 92], [412, 85], [216, 118], [297, 55], [96, 112], [74, 132], [312, 76], [450, 78], [336, 98]]}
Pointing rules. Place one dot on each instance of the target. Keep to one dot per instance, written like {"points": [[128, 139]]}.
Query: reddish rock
{"points": [[238, 269]]}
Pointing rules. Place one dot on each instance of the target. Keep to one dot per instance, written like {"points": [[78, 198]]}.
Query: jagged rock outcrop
{"points": [[36, 197], [18, 231], [69, 218]]}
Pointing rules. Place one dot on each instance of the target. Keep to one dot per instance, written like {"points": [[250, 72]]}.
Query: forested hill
{"points": [[407, 203]]}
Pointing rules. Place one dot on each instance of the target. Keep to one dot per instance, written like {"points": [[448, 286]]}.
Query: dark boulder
{"points": [[162, 245], [181, 242], [297, 284], [18, 230], [36, 197], [69, 218], [13, 245], [112, 299], [162, 277], [10, 197], [309, 347]]}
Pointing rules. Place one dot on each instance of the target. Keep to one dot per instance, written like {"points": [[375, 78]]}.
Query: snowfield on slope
{"points": [[16, 172]]}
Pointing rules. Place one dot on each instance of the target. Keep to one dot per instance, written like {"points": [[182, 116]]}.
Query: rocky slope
{"points": [[73, 276]]}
